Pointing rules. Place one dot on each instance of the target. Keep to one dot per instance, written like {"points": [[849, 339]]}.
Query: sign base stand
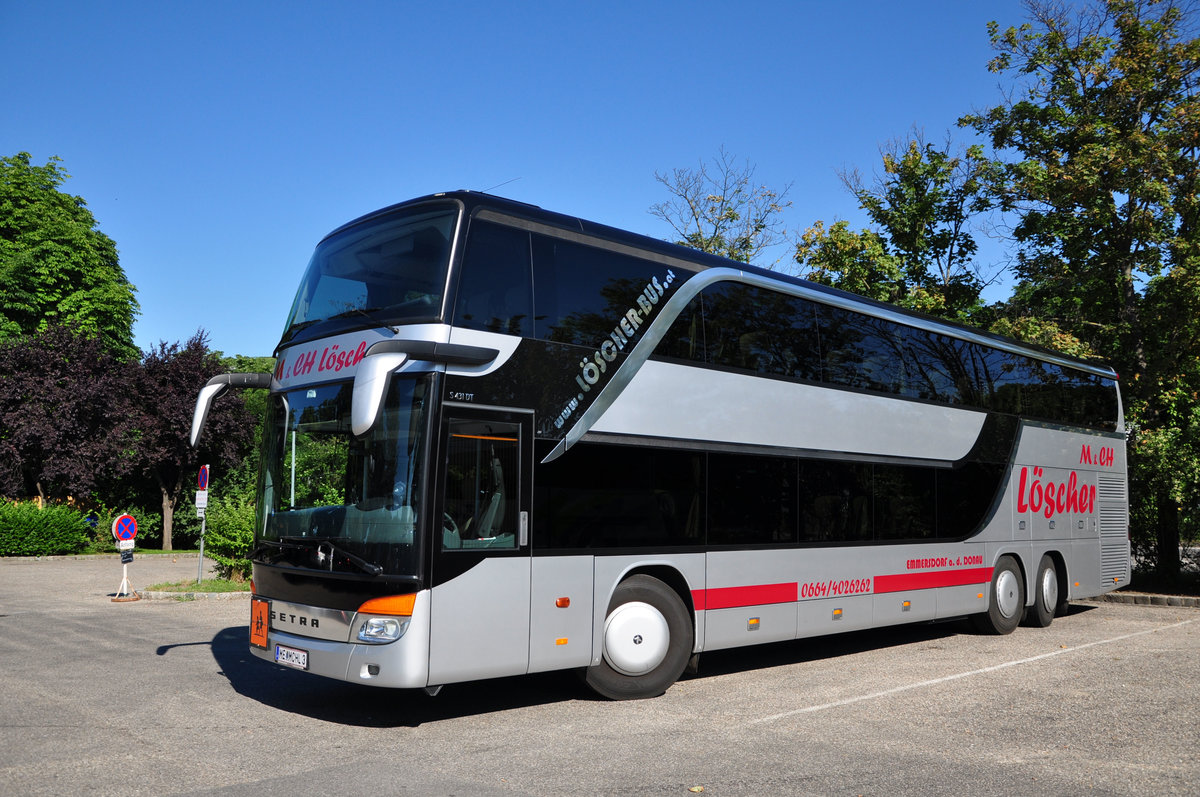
{"points": [[125, 593]]}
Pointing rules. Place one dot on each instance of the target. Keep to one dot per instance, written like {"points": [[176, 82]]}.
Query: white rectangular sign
{"points": [[202, 499], [124, 545]]}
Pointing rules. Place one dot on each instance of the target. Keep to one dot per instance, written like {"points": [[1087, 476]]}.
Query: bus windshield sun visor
{"points": [[216, 387], [371, 379]]}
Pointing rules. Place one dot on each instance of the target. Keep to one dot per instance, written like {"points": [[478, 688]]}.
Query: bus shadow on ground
{"points": [[810, 649], [375, 707], [352, 704]]}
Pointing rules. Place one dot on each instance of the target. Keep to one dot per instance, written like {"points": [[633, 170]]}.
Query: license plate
{"points": [[291, 657]]}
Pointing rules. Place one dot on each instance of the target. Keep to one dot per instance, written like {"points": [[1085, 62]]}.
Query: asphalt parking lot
{"points": [[161, 697]]}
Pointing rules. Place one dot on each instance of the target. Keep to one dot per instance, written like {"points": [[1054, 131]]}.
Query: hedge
{"points": [[26, 530]]}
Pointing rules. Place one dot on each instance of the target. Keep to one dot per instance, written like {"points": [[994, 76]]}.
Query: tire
{"points": [[1006, 606], [1045, 594], [647, 641]]}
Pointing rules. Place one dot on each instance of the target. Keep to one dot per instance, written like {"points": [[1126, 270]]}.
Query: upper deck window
{"points": [[384, 271]]}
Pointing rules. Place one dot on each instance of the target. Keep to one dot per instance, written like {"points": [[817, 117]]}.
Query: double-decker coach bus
{"points": [[502, 440]]}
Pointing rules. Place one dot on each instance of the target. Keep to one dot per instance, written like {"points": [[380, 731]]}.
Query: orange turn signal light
{"points": [[401, 605], [562, 603]]}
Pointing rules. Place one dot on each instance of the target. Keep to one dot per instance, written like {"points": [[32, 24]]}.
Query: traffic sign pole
{"points": [[201, 507], [200, 563]]}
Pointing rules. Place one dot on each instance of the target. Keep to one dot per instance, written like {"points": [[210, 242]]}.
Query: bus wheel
{"points": [[647, 641], [1045, 598], [1007, 605]]}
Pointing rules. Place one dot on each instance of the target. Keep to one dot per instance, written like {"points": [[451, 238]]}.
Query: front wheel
{"points": [[1007, 605], [647, 641]]}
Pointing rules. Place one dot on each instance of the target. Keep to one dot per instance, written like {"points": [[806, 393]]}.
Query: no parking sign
{"points": [[124, 529], [202, 491]]}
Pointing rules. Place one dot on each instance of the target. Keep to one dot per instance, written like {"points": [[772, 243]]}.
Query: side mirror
{"points": [[384, 357], [370, 386], [215, 387]]}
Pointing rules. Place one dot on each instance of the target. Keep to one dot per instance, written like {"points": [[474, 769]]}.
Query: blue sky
{"points": [[216, 142]]}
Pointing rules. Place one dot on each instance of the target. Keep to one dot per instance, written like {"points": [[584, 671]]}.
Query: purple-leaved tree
{"points": [[65, 420], [169, 378]]}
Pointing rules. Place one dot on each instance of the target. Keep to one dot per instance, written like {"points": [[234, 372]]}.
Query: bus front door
{"points": [[479, 626]]}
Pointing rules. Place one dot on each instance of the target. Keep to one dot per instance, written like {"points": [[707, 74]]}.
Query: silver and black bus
{"points": [[503, 440]]}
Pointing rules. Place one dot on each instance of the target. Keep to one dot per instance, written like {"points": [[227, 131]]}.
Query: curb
{"points": [[1146, 599], [95, 556], [193, 596]]}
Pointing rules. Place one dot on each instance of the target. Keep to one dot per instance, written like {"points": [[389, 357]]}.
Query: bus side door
{"points": [[479, 625]]}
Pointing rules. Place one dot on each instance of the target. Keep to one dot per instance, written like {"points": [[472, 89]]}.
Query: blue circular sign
{"points": [[202, 479], [125, 527]]}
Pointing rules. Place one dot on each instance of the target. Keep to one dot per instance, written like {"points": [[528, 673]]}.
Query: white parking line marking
{"points": [[934, 682]]}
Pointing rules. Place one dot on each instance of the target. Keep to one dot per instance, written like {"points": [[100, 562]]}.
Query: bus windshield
{"points": [[332, 501], [385, 271]]}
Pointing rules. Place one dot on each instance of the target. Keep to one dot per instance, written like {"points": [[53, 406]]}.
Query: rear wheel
{"points": [[647, 641], [1045, 593], [1007, 605]]}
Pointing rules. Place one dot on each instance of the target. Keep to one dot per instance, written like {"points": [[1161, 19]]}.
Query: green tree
{"points": [[920, 251], [718, 208], [858, 262], [56, 267], [1104, 125], [1101, 135]]}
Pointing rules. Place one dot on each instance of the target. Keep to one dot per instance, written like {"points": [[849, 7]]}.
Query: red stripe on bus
{"points": [[734, 597], [932, 580]]}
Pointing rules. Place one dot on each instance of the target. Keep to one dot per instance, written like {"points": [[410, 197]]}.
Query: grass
{"points": [[207, 585]]}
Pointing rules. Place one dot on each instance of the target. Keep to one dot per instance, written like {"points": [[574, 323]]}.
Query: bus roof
{"points": [[473, 201]]}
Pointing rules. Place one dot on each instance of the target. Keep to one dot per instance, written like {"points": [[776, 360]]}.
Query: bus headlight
{"points": [[381, 630]]}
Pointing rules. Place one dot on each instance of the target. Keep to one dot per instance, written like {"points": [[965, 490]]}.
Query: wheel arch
{"points": [[670, 576], [1022, 566]]}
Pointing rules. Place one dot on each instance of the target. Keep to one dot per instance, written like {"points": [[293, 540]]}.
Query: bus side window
{"points": [[496, 290], [751, 500], [835, 501]]}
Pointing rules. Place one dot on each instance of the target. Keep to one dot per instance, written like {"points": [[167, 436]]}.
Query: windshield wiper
{"points": [[295, 329], [362, 311], [308, 543]]}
